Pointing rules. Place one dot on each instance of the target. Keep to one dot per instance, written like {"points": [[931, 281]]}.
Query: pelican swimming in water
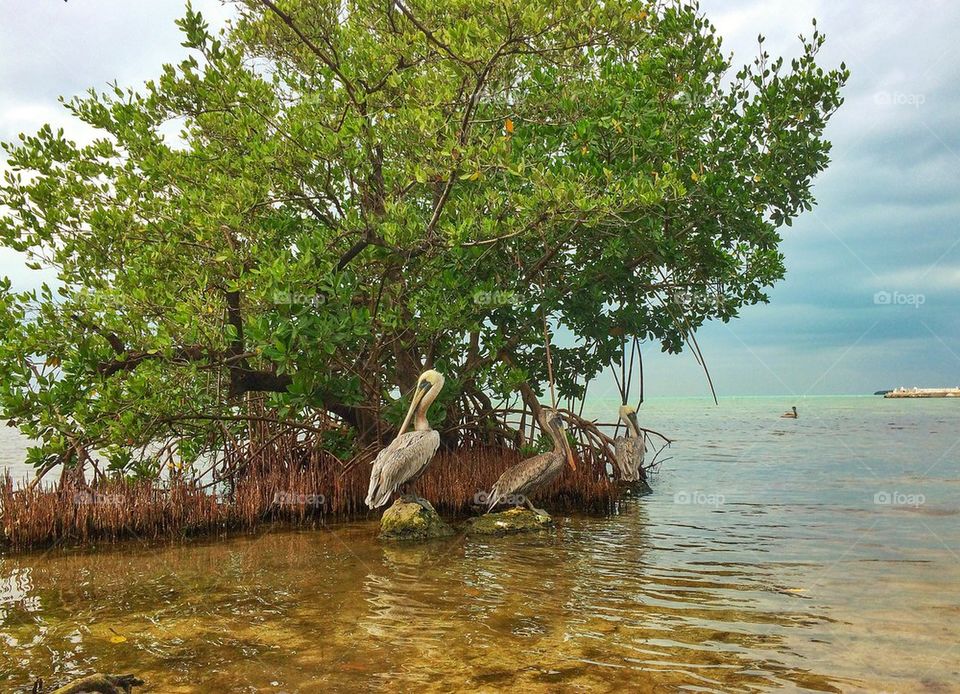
{"points": [[629, 450], [537, 472], [790, 415], [407, 456]]}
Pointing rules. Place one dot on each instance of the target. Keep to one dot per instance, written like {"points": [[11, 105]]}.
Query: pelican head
{"points": [[628, 413], [430, 379], [552, 422], [426, 391]]}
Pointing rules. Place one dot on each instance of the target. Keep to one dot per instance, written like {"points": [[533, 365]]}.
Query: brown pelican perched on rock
{"points": [[629, 450], [404, 460], [535, 473]]}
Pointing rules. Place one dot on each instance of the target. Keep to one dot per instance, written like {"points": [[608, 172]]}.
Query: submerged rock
{"points": [[411, 521], [100, 684], [516, 520]]}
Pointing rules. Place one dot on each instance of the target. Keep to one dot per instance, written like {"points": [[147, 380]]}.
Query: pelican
{"points": [[629, 450], [537, 472], [790, 415], [405, 459]]}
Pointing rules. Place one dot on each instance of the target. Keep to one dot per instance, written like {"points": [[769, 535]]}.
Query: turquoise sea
{"points": [[817, 554]]}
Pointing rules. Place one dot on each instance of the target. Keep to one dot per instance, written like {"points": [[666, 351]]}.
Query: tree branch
{"points": [[430, 36], [115, 342], [324, 58]]}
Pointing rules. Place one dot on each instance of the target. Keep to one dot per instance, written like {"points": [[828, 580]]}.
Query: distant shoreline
{"points": [[924, 393]]}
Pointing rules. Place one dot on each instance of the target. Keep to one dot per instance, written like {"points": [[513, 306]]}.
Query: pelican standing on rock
{"points": [[629, 450], [537, 472], [402, 462]]}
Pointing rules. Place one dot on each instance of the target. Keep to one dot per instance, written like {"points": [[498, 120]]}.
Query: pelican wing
{"points": [[527, 476], [629, 452], [403, 460]]}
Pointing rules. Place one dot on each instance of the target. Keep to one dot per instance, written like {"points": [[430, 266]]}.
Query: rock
{"points": [[516, 520], [100, 684], [410, 521]]}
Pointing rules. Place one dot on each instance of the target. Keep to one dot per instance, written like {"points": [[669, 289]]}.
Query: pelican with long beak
{"points": [[630, 450], [530, 475], [402, 462]]}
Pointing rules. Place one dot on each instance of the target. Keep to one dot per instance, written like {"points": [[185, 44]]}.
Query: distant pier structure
{"points": [[902, 392]]}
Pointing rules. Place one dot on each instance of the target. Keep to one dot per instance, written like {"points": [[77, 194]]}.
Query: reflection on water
{"points": [[765, 560]]}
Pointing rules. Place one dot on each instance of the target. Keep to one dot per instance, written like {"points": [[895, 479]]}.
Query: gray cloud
{"points": [[887, 213], [53, 49]]}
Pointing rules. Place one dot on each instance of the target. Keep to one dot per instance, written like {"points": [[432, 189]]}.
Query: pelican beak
{"points": [[418, 394], [571, 461], [633, 421]]}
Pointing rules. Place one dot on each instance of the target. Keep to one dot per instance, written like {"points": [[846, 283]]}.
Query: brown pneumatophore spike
{"points": [[285, 480]]}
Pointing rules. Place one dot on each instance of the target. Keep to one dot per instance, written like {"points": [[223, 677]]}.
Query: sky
{"points": [[871, 297]]}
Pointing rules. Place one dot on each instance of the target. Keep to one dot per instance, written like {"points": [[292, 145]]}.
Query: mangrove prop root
{"points": [[310, 488]]}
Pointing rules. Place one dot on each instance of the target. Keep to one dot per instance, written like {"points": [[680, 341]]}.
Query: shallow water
{"points": [[821, 554]]}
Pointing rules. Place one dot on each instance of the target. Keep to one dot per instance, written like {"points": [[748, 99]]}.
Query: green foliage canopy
{"points": [[327, 197]]}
